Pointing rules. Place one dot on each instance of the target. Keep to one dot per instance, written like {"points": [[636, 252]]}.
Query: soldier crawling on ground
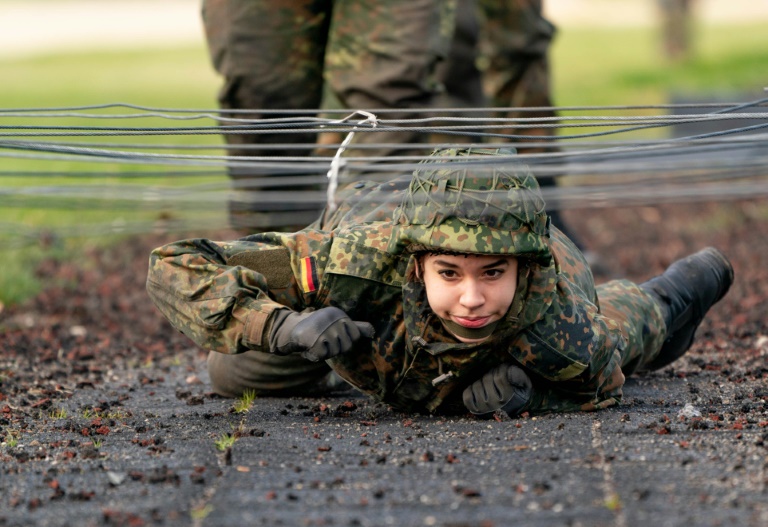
{"points": [[443, 291]]}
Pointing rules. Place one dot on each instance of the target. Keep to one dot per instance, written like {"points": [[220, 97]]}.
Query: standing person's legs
{"points": [[513, 56], [459, 74], [271, 55], [514, 34], [384, 55]]}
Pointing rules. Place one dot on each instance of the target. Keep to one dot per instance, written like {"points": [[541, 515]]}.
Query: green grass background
{"points": [[615, 67], [591, 66]]}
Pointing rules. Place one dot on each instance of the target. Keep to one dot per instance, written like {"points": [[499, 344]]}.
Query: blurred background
{"points": [[63, 58], [70, 52]]}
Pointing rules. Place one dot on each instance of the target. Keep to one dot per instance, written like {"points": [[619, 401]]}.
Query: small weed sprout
{"points": [[225, 441], [90, 413], [97, 443], [58, 413], [11, 439], [244, 403], [201, 512], [613, 502]]}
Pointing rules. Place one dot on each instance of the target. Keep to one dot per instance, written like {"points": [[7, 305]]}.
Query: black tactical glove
{"points": [[316, 335], [506, 387]]}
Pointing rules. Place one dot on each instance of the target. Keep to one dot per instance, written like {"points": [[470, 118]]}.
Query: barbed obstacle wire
{"points": [[88, 173]]}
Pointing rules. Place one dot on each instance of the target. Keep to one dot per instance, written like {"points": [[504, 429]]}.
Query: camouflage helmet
{"points": [[477, 201]]}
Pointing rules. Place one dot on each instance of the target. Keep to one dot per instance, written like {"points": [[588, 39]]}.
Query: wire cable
{"points": [[176, 181]]}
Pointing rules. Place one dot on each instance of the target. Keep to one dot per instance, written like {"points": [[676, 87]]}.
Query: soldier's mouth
{"points": [[472, 322]]}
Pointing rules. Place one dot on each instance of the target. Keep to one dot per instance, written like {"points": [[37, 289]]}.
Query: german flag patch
{"points": [[308, 274]]}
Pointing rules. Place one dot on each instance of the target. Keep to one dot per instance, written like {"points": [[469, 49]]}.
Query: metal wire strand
{"points": [[600, 156]]}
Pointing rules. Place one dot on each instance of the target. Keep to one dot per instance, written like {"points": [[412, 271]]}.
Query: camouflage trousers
{"points": [[268, 374], [636, 314], [278, 54], [499, 59]]}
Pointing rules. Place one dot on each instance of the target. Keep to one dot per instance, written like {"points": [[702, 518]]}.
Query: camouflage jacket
{"points": [[221, 294]]}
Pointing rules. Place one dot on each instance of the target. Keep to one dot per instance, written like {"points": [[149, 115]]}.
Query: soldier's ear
{"points": [[415, 272]]}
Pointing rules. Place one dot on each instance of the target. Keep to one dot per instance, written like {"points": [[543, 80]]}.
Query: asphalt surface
{"points": [[106, 416], [343, 460]]}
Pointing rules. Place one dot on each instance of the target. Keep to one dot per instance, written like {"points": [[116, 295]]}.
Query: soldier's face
{"points": [[472, 291]]}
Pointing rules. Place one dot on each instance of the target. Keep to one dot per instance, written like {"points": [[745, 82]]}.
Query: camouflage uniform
{"points": [[514, 59], [499, 58], [278, 54], [576, 341]]}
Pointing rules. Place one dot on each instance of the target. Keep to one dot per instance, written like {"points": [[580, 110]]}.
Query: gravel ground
{"points": [[107, 419]]}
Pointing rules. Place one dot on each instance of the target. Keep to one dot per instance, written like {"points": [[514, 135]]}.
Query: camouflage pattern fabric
{"points": [[499, 58], [277, 54], [574, 340], [514, 61]]}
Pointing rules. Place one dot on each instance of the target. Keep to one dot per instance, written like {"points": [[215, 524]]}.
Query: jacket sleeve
{"points": [[581, 393], [574, 354], [219, 305]]}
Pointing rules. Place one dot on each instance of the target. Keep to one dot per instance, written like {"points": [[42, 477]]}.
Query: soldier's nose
{"points": [[472, 296]]}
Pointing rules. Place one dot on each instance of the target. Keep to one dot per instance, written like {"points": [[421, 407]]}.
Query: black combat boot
{"points": [[685, 292]]}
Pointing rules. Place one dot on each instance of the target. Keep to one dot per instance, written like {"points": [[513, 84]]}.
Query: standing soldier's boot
{"points": [[685, 292]]}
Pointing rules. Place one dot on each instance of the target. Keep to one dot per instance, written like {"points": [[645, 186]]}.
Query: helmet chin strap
{"points": [[469, 333]]}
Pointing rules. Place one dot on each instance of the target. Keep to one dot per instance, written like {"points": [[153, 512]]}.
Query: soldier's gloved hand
{"points": [[506, 387], [316, 335]]}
